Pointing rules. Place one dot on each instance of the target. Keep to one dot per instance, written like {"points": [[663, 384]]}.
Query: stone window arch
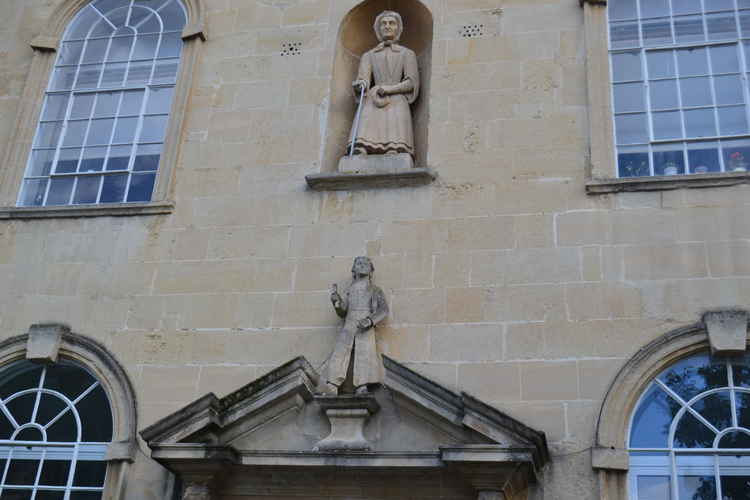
{"points": [[67, 393], [22, 186], [642, 441]]}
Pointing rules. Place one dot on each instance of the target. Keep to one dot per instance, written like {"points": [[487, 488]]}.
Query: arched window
{"points": [[105, 113], [55, 425], [680, 94], [690, 433]]}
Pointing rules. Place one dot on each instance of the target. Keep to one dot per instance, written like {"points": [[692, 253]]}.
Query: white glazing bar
{"points": [[38, 395], [103, 16], [38, 474], [732, 394]]}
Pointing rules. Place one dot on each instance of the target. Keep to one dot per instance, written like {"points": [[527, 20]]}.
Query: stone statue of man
{"points": [[362, 306], [390, 78]]}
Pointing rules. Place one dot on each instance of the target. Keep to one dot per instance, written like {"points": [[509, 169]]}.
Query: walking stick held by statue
{"points": [[355, 128]]}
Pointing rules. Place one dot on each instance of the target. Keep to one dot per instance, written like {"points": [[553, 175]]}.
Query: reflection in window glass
{"points": [[111, 89], [684, 427], [678, 62]]}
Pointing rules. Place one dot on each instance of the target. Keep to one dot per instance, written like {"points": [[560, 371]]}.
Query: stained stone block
{"points": [[727, 331], [347, 415], [44, 342]]}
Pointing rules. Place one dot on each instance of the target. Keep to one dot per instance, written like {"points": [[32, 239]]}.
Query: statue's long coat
{"points": [[361, 300], [388, 128]]}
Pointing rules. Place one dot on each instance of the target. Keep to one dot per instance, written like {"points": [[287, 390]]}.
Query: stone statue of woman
{"points": [[390, 78]]}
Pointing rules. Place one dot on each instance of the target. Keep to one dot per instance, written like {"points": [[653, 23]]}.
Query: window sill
{"points": [[345, 181], [664, 183], [113, 210]]}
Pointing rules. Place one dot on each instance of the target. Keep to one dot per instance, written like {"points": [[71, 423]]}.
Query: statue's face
{"points": [[389, 28], [362, 266]]}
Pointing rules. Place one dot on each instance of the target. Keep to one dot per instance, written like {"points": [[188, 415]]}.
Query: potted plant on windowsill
{"points": [[737, 162], [670, 168]]}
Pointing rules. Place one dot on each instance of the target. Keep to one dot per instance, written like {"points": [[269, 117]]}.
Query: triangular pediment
{"points": [[278, 415]]}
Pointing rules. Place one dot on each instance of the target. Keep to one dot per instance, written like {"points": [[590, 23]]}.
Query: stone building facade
{"points": [[527, 283]]}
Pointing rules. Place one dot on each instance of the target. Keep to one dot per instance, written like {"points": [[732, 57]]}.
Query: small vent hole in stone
{"points": [[291, 49], [472, 30]]}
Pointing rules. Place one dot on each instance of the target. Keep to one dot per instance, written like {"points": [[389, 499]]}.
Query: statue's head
{"points": [[362, 267], [389, 26]]}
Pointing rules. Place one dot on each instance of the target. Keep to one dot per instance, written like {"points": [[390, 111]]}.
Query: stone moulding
{"points": [[198, 442], [113, 210], [381, 178], [665, 183]]}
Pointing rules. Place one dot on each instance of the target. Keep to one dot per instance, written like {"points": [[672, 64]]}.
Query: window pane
{"points": [[735, 439], [732, 120], [697, 487], [664, 94], [724, 59], [745, 22], [95, 51], [686, 7], [49, 407], [145, 46], [166, 71], [626, 66], [696, 92], [741, 370], [141, 187], [114, 74], [692, 62], [652, 419], [150, 25], [59, 191], [82, 104], [119, 158], [700, 123], [160, 100], [125, 130], [631, 129], [743, 409], [33, 196], [153, 129], [70, 53], [734, 487], [654, 8], [729, 89], [661, 64], [668, 160], [96, 416], [623, 35], [67, 162], [173, 16], [703, 158], [633, 162], [54, 473], [139, 72], [88, 76], [101, 29], [171, 45], [117, 16], [90, 474], [55, 107], [131, 102], [653, 488], [147, 158], [41, 162], [623, 9], [667, 125], [736, 154], [63, 78], [22, 472], [64, 430], [100, 131], [74, 133], [657, 32], [692, 433], [50, 495], [689, 29], [85, 495], [106, 104], [87, 189], [120, 48], [48, 135], [113, 189], [694, 375], [716, 408], [138, 15], [721, 26], [93, 160], [68, 379], [81, 25], [629, 97]]}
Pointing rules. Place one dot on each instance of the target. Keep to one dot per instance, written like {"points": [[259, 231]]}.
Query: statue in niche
{"points": [[388, 81], [362, 306]]}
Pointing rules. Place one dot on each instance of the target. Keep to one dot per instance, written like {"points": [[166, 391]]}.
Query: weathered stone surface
{"points": [[44, 342], [727, 331]]}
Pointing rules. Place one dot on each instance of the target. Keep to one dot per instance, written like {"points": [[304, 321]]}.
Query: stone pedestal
{"points": [[376, 163], [347, 415]]}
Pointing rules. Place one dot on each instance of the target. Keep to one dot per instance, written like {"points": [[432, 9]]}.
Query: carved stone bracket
{"points": [[44, 342], [347, 415], [727, 331]]}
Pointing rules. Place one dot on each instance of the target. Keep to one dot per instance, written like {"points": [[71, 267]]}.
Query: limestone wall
{"points": [[504, 278]]}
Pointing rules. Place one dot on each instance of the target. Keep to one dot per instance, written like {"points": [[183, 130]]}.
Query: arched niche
{"points": [[356, 36]]}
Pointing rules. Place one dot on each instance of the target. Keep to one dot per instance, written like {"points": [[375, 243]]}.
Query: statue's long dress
{"points": [[388, 129]]}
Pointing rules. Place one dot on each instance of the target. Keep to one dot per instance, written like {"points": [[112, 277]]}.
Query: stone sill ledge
{"points": [[113, 210], [663, 183], [385, 178]]}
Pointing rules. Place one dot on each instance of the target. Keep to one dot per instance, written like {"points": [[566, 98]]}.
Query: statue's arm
{"points": [[410, 83], [381, 307], [341, 304], [364, 75]]}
